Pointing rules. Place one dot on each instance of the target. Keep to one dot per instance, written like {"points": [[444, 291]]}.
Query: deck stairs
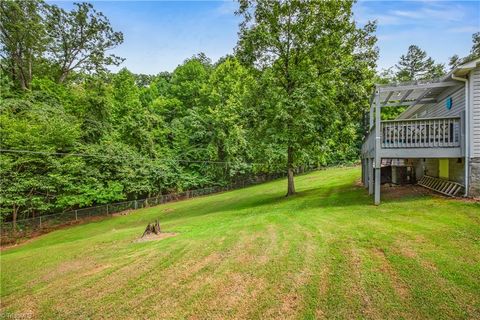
{"points": [[446, 187]]}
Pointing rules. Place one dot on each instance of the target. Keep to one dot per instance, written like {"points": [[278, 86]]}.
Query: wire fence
{"points": [[26, 227]]}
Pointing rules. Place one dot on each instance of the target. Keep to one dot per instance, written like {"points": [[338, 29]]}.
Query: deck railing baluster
{"points": [[443, 132], [420, 133]]}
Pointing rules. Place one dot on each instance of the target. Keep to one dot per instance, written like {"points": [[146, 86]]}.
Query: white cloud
{"points": [[407, 14], [363, 14], [464, 29], [426, 11]]}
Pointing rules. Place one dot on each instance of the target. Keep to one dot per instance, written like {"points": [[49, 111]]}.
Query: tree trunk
{"points": [[291, 183], [62, 77], [152, 228], [15, 210]]}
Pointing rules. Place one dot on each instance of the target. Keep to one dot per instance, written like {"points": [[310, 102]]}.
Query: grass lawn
{"points": [[251, 253]]}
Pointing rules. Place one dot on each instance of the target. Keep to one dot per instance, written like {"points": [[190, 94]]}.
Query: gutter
{"points": [[467, 132]]}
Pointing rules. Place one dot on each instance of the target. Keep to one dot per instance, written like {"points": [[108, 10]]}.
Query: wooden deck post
{"points": [[370, 175], [378, 160], [365, 172], [378, 182], [371, 122]]}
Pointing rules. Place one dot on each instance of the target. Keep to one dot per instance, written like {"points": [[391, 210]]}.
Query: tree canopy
{"points": [[416, 65], [74, 134], [306, 52]]}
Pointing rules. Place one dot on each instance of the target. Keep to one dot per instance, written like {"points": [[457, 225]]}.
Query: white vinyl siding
{"points": [[439, 109], [475, 112]]}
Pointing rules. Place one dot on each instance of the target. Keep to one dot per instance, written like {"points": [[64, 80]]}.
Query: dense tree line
{"points": [[289, 98]]}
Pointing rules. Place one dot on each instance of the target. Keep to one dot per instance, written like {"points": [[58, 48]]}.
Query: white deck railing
{"points": [[421, 133]]}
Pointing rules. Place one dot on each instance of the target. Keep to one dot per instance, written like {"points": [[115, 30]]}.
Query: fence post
{"points": [[40, 222], [135, 204], [107, 208], [76, 217]]}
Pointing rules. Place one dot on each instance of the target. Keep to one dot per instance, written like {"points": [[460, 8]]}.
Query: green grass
{"points": [[252, 253]]}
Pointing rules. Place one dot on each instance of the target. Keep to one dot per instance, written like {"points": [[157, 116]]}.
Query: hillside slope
{"points": [[252, 253]]}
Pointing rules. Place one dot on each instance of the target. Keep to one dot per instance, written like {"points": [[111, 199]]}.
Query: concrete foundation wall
{"points": [[474, 177], [456, 170], [430, 167], [418, 167]]}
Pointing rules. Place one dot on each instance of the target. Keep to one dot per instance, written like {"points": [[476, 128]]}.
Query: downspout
{"points": [[467, 132]]}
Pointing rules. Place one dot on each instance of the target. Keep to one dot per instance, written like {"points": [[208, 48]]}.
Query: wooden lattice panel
{"points": [[446, 187]]}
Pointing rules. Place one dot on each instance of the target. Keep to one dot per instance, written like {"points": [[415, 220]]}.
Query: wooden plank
{"points": [[388, 88]]}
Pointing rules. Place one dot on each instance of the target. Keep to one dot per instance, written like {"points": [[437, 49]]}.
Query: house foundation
{"points": [[474, 177]]}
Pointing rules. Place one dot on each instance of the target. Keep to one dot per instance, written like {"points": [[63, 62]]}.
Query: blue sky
{"points": [[159, 35]]}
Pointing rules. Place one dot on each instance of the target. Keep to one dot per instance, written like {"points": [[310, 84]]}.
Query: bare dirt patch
{"points": [[122, 213], [400, 288], [153, 237], [355, 263], [358, 183], [408, 252], [323, 291], [390, 191]]}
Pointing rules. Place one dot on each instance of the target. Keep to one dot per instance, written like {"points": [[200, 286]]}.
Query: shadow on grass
{"points": [[331, 196], [335, 196]]}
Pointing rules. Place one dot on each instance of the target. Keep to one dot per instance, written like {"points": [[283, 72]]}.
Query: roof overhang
{"points": [[418, 93], [465, 68], [412, 93], [421, 92]]}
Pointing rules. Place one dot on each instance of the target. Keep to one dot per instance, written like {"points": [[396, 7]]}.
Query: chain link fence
{"points": [[27, 227]]}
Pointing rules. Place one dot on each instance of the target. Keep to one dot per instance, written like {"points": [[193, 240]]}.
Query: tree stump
{"points": [[152, 228]]}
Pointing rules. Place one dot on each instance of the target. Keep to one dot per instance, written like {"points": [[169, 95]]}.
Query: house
{"points": [[434, 142]]}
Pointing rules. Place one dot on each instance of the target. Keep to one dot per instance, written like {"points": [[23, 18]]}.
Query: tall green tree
{"points": [[226, 114], [302, 48], [30, 182], [79, 40], [475, 51], [22, 39], [416, 65], [454, 61]]}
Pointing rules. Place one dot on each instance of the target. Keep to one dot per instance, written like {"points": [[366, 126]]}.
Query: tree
{"points": [[454, 61], [30, 182], [133, 124], [475, 51], [302, 50], [225, 116], [79, 40], [415, 65], [188, 81], [22, 39]]}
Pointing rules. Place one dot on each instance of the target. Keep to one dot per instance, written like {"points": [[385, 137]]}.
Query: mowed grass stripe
{"points": [[252, 253]]}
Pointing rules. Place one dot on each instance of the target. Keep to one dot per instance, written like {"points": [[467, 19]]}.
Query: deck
{"points": [[409, 138], [417, 138]]}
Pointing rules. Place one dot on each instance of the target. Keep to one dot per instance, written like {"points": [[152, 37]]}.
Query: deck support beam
{"points": [[370, 175], [365, 173], [378, 182], [378, 162]]}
